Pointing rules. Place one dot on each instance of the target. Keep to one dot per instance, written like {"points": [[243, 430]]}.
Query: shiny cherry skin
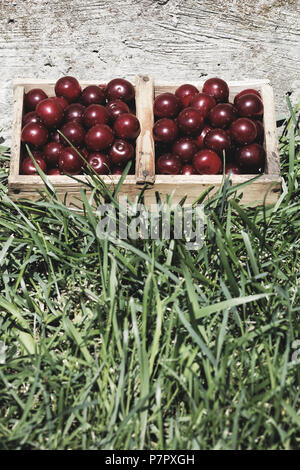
{"points": [[127, 126], [99, 162], [74, 112], [168, 164], [233, 168], [54, 172], [35, 134], [249, 105], [32, 116], [62, 101], [50, 112], [121, 151], [217, 88], [28, 168], [207, 162], [217, 140], [95, 114], [166, 105], [199, 139], [185, 148], [188, 169], [69, 88], [165, 130], [33, 97], [243, 131], [246, 92], [69, 161], [119, 89], [99, 137], [222, 115], [250, 157], [117, 107], [92, 94], [190, 121], [185, 93], [74, 132], [51, 153], [203, 103], [260, 131]]}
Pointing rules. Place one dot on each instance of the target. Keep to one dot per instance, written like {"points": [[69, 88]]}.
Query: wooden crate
{"points": [[23, 186]]}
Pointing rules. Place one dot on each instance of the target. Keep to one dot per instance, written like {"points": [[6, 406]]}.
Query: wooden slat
{"points": [[16, 134], [271, 138]]}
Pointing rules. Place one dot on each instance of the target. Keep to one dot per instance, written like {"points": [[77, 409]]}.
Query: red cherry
{"points": [[62, 101], [117, 170], [185, 93], [54, 172], [50, 112], [246, 92], [243, 131], [203, 103], [117, 107], [207, 162], [99, 137], [218, 88], [165, 130], [250, 105], [74, 112], [51, 153], [28, 167], [69, 88], [217, 140], [190, 121], [127, 126], [92, 94], [35, 134], [250, 157], [188, 170], [69, 161], [99, 162], [235, 170], [121, 151], [95, 114], [169, 164], [33, 97], [32, 116], [166, 105], [74, 132], [34, 152], [222, 115], [185, 148], [199, 140], [260, 131], [119, 89]]}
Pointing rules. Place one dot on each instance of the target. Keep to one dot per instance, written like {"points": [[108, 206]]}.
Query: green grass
{"points": [[144, 344]]}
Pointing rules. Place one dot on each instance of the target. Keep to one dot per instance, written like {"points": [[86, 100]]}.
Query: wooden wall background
{"points": [[184, 39]]}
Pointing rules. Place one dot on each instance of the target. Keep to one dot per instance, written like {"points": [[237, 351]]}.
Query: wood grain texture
{"points": [[186, 39]]}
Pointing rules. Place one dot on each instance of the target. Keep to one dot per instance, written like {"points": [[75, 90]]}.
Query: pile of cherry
{"points": [[99, 124], [194, 130]]}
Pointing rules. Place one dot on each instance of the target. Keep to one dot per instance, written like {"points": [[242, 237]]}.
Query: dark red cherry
{"points": [[222, 115], [120, 152], [92, 94], [168, 164], [69, 161], [32, 116], [127, 126], [50, 112], [250, 157], [185, 148], [74, 112], [117, 170], [119, 89], [166, 105], [207, 162], [62, 101], [190, 121], [34, 152], [217, 88], [35, 134], [203, 103], [246, 92], [33, 97], [233, 168], [243, 131], [95, 114], [188, 170], [165, 130], [99, 162], [117, 107], [260, 131], [54, 136], [28, 168], [54, 172], [99, 137], [69, 88], [199, 139], [74, 132], [51, 153], [217, 140], [185, 93], [249, 105]]}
